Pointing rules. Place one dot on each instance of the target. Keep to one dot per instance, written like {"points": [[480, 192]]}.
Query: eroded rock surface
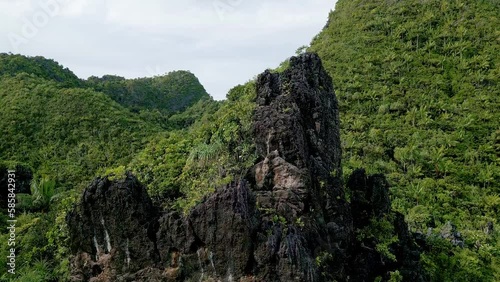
{"points": [[286, 220], [113, 230], [371, 210]]}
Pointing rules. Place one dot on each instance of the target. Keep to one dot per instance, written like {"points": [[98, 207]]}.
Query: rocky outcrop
{"points": [[113, 231], [449, 232], [297, 133], [287, 220], [371, 210], [215, 239]]}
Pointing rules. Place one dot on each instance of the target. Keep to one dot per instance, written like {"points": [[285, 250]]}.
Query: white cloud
{"points": [[15, 8], [154, 14], [79, 8], [131, 37]]}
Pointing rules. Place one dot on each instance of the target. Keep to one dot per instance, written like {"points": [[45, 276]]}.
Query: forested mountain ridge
{"points": [[418, 85], [12, 65], [169, 93], [69, 128]]}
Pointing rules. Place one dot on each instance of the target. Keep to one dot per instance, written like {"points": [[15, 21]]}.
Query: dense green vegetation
{"points": [[418, 84], [172, 92], [44, 68], [180, 167], [68, 134]]}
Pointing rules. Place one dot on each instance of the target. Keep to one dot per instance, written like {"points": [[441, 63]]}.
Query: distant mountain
{"points": [[169, 93], [45, 68]]}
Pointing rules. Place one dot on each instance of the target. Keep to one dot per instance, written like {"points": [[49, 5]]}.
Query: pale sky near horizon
{"points": [[223, 42]]}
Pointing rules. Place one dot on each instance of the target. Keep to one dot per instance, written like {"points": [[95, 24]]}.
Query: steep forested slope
{"points": [[65, 133], [419, 95]]}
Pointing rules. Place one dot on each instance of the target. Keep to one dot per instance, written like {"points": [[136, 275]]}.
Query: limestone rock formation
{"points": [[112, 230], [370, 205], [287, 220]]}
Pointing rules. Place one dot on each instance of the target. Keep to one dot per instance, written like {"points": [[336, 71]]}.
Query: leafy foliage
{"points": [[417, 83], [43, 190], [13, 65], [66, 134], [181, 167], [170, 93]]}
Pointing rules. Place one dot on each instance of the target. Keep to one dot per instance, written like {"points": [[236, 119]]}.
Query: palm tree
{"points": [[43, 191]]}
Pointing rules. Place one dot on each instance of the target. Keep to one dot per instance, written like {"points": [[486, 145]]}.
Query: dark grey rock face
{"points": [[113, 230], [297, 133], [286, 220], [370, 203], [297, 114], [297, 127], [215, 239]]}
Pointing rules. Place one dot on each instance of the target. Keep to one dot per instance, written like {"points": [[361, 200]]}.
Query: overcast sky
{"points": [[223, 42]]}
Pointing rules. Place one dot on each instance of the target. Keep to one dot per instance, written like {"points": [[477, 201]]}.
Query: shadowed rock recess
{"points": [[287, 220]]}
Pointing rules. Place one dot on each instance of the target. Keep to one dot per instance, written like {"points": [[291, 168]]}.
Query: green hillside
{"points": [[69, 130], [45, 68], [66, 133], [418, 84], [170, 93], [180, 167]]}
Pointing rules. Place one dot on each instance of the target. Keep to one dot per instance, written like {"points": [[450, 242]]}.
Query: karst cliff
{"points": [[289, 218]]}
